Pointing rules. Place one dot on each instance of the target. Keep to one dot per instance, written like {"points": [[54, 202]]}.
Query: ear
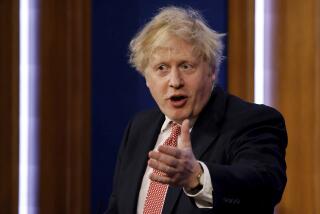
{"points": [[146, 79], [213, 75]]}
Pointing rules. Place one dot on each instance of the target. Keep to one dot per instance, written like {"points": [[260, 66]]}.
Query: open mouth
{"points": [[177, 98], [178, 101]]}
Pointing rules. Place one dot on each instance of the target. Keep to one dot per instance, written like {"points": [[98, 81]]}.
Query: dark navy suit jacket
{"points": [[243, 145]]}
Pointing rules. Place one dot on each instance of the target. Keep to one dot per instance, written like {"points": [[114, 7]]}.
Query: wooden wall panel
{"points": [[9, 82], [293, 87], [241, 48], [64, 106]]}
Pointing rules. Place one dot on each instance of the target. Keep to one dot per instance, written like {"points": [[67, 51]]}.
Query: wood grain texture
{"points": [[292, 85], [64, 106], [241, 48], [9, 109], [293, 88]]}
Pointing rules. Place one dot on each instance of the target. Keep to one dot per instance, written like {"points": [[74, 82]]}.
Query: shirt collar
{"points": [[167, 124]]}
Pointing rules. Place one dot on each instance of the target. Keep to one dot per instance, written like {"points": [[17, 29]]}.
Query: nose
{"points": [[176, 80]]}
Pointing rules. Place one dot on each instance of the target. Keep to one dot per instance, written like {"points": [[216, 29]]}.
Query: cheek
{"points": [[156, 89], [151, 83], [203, 90], [200, 84]]}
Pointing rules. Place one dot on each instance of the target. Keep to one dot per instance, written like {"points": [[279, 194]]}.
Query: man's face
{"points": [[180, 82]]}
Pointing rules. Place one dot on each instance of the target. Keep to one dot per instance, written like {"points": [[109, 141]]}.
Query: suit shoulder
{"points": [[240, 105], [246, 112], [145, 118], [147, 114]]}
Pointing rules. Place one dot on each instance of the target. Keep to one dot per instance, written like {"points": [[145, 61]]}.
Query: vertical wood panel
{"points": [[9, 82], [241, 48], [64, 106], [293, 80], [316, 128]]}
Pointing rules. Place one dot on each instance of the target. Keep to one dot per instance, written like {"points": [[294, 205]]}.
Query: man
{"points": [[202, 151]]}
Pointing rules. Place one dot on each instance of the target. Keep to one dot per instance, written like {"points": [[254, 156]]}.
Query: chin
{"points": [[178, 118]]}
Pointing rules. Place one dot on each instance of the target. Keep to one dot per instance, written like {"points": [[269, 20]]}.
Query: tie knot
{"points": [[172, 140], [175, 130]]}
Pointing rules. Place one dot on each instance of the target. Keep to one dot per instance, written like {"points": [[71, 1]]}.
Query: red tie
{"points": [[157, 191]]}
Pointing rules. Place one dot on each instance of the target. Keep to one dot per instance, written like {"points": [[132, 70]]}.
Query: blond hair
{"points": [[187, 24]]}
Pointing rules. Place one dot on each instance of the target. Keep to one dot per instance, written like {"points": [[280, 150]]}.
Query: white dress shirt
{"points": [[203, 198]]}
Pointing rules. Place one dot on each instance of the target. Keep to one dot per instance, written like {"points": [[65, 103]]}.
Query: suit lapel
{"points": [[171, 198], [207, 126], [145, 143], [203, 135]]}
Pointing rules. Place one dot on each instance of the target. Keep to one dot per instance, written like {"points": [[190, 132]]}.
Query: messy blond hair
{"points": [[186, 24]]}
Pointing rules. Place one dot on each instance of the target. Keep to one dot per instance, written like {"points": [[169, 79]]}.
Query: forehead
{"points": [[173, 48]]}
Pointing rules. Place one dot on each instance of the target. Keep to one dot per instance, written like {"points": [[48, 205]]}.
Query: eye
{"points": [[162, 68], [186, 67]]}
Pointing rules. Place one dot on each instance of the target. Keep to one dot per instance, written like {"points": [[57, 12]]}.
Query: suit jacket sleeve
{"points": [[252, 175]]}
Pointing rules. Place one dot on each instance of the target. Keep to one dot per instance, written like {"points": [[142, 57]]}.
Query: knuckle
{"points": [[180, 170], [174, 180], [163, 167], [178, 153], [184, 162], [161, 158], [156, 163], [170, 174], [174, 162]]}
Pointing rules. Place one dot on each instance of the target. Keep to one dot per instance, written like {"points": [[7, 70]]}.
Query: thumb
{"points": [[185, 135]]}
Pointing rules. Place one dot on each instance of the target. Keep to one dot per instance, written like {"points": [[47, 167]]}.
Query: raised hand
{"points": [[179, 164]]}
